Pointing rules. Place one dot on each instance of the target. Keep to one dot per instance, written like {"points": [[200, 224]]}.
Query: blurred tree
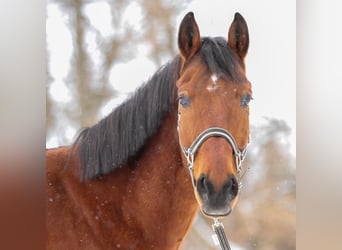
{"points": [[95, 53]]}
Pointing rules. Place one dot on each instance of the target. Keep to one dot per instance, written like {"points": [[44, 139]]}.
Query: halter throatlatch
{"points": [[190, 154]]}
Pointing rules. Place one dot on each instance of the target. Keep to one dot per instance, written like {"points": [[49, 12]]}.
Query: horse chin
{"points": [[213, 212]]}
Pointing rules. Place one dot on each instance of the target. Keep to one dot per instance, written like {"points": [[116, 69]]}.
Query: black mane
{"points": [[116, 138]]}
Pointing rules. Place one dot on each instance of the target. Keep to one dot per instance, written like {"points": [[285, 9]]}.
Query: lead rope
{"points": [[220, 238]]}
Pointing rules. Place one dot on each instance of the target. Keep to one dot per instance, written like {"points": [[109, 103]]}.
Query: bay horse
{"points": [[136, 179]]}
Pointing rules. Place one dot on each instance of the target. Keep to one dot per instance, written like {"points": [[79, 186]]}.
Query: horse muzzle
{"points": [[217, 202]]}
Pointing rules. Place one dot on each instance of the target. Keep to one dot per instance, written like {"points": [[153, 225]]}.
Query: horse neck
{"points": [[151, 195], [160, 187]]}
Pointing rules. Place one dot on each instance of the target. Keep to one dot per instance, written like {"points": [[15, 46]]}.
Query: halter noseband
{"points": [[190, 152]]}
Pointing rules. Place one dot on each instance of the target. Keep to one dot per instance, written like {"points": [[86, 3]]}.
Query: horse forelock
{"points": [[219, 58]]}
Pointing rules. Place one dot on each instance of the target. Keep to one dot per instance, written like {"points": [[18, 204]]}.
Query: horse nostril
{"points": [[204, 187], [231, 187]]}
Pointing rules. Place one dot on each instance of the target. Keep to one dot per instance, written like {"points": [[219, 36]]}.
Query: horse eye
{"points": [[184, 101], [245, 100]]}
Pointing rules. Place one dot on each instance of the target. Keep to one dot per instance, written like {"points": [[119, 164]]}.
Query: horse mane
{"points": [[111, 142]]}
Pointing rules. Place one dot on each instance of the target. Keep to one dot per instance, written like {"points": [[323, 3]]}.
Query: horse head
{"points": [[213, 110]]}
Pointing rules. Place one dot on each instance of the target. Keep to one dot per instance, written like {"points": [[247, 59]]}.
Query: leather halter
{"points": [[191, 151]]}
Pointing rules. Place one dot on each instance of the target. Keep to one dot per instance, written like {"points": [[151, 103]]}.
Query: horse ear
{"points": [[189, 39], [238, 37]]}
